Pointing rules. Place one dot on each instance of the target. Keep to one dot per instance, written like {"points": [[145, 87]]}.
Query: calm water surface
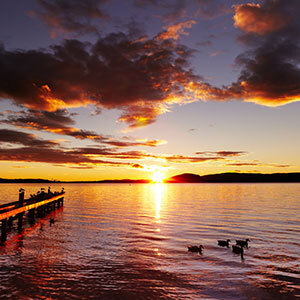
{"points": [[119, 241]]}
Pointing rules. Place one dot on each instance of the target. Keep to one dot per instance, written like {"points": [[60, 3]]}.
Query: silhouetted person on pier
{"points": [[41, 227]]}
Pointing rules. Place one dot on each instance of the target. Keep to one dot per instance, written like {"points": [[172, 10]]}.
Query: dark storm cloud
{"points": [[23, 138], [65, 16], [60, 122], [115, 72]]}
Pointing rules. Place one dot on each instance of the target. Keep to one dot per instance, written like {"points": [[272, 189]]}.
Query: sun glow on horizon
{"points": [[158, 177]]}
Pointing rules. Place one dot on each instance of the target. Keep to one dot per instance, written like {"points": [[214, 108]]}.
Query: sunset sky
{"points": [[112, 89]]}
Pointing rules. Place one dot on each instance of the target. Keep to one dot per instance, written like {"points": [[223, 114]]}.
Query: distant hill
{"points": [[235, 177], [20, 180], [185, 178], [29, 180]]}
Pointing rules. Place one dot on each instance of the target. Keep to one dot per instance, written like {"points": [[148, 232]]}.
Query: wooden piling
{"points": [[10, 221], [31, 215], [21, 203], [3, 230]]}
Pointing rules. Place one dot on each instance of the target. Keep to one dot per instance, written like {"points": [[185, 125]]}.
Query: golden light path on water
{"points": [[158, 187]]}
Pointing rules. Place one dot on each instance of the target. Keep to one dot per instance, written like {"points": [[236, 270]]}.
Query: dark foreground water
{"points": [[119, 241]]}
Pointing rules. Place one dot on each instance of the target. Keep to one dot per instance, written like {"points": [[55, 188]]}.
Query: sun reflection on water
{"points": [[158, 198]]}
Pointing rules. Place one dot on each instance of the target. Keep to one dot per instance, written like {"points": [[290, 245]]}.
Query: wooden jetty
{"points": [[37, 205]]}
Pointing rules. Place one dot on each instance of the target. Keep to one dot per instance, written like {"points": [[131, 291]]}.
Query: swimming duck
{"points": [[238, 250], [196, 249], [223, 243], [243, 243]]}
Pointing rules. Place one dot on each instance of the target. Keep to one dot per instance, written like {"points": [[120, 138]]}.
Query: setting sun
{"points": [[158, 177]]}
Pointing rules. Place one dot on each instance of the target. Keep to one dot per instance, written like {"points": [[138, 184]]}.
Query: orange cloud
{"points": [[252, 17], [175, 30]]}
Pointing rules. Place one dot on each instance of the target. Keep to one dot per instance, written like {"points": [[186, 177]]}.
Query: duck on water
{"points": [[238, 250], [243, 243], [223, 243], [195, 249]]}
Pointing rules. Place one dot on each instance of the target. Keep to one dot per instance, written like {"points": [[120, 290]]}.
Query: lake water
{"points": [[120, 241]]}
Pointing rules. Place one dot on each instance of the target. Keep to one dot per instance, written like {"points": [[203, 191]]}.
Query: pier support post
{"points": [[43, 210], [20, 221], [21, 197], [31, 215], [3, 230], [21, 203], [10, 221]]}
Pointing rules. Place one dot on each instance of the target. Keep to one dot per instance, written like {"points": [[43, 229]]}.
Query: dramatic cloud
{"points": [[261, 20], [65, 16], [60, 122], [141, 76], [270, 71], [175, 30], [22, 138]]}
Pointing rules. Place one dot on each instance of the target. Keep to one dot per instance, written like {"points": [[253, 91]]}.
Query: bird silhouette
{"points": [[243, 243], [223, 243], [196, 248]]}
